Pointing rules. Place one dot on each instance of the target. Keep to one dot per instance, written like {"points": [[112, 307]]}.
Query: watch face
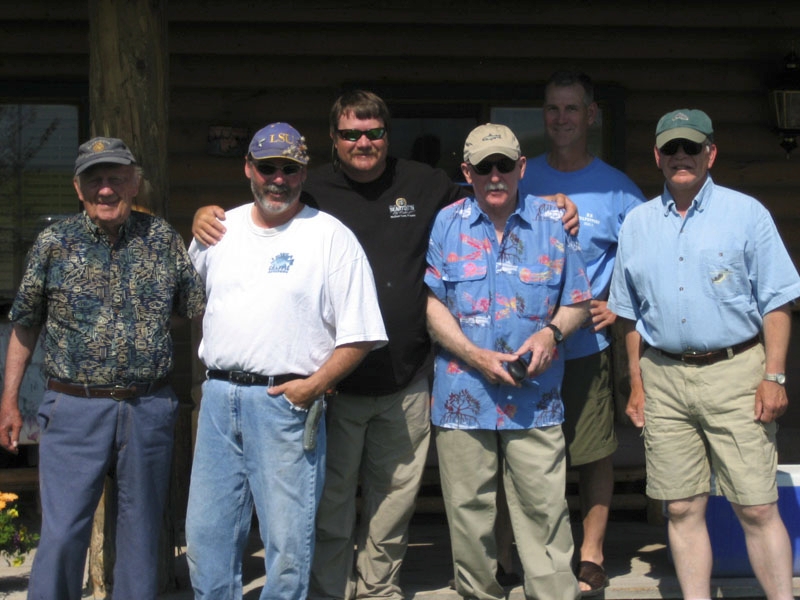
{"points": [[557, 335]]}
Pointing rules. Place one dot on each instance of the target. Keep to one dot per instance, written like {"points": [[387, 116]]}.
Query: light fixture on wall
{"points": [[785, 103]]}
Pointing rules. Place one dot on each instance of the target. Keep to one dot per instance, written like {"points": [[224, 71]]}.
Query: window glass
{"points": [[37, 153]]}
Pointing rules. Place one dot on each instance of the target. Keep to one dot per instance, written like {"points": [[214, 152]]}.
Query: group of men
{"points": [[322, 297]]}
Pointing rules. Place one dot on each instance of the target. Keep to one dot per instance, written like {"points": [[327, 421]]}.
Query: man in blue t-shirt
{"points": [[603, 196]]}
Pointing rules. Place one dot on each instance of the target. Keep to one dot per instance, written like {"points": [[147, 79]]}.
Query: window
{"points": [[38, 142], [430, 123]]}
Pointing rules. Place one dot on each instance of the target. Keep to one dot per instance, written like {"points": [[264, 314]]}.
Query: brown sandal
{"points": [[594, 576]]}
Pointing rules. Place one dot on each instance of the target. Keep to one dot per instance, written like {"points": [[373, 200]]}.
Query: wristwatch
{"points": [[559, 337], [779, 378]]}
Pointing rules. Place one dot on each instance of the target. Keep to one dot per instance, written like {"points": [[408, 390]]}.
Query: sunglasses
{"points": [[504, 165], [353, 135], [671, 147], [268, 169]]}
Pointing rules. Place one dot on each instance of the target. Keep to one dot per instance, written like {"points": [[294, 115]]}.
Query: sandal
{"points": [[594, 576]]}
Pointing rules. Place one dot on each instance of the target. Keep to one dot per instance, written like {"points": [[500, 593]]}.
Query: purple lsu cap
{"points": [[279, 140]]}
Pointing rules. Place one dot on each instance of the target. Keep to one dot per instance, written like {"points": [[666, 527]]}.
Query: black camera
{"points": [[519, 368]]}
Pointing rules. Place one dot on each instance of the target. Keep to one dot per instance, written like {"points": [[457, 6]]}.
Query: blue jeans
{"points": [[249, 450], [82, 439]]}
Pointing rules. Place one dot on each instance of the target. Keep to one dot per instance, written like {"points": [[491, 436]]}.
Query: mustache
{"points": [[496, 187], [273, 188]]}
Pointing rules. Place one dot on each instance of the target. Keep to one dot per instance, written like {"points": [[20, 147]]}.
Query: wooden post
{"points": [[129, 87], [128, 99]]}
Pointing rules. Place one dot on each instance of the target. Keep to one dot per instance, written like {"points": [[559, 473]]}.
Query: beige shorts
{"points": [[699, 418], [588, 408]]}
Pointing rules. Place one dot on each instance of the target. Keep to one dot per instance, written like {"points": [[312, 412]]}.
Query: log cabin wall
{"points": [[243, 63]]}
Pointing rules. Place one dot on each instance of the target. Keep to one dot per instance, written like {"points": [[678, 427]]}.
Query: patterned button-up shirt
{"points": [[501, 294], [106, 309]]}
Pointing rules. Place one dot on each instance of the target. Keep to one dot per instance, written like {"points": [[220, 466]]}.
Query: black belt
{"points": [[117, 392], [712, 356], [245, 378]]}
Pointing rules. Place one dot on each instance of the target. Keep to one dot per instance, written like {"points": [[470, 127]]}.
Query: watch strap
{"points": [[559, 337]]}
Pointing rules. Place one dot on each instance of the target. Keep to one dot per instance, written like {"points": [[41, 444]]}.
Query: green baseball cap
{"points": [[685, 124]]}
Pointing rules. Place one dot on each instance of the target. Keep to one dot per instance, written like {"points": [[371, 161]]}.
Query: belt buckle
{"points": [[246, 378], [120, 389]]}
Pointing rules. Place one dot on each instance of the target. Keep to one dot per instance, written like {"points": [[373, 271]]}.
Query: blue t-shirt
{"points": [[501, 294], [603, 195], [705, 281]]}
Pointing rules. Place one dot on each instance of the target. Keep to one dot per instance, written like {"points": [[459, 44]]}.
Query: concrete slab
{"points": [[637, 563]]}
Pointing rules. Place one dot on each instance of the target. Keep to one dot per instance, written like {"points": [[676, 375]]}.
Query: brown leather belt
{"points": [[116, 392], [713, 356], [245, 378]]}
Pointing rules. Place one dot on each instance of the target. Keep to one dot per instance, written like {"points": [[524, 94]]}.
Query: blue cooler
{"points": [[727, 537]]}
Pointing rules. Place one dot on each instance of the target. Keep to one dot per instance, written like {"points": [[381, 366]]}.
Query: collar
{"points": [[472, 210], [700, 202]]}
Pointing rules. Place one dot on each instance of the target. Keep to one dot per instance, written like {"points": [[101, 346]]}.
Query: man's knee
{"points": [[757, 515], [687, 509]]}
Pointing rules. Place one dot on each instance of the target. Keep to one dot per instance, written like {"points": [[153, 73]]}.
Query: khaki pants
{"points": [[534, 475], [384, 441]]}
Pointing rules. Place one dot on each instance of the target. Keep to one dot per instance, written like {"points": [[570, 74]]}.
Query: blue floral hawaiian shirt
{"points": [[501, 294], [107, 308]]}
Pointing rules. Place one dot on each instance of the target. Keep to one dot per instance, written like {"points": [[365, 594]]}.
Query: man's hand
{"points": [[10, 424], [299, 392], [771, 401], [635, 408], [601, 316], [492, 365], [542, 346], [571, 220], [207, 227]]}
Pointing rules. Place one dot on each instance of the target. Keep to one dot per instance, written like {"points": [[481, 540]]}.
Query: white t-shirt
{"points": [[281, 299]]}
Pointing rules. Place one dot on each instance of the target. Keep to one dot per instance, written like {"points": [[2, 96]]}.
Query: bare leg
{"points": [[690, 545], [596, 491], [768, 548]]}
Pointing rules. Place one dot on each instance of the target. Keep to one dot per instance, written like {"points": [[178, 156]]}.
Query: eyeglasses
{"points": [[268, 169], [691, 148], [504, 165], [353, 135]]}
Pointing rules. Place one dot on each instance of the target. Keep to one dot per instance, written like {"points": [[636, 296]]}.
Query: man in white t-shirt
{"points": [[292, 308]]}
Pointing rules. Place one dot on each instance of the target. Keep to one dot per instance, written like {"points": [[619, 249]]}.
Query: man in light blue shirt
{"points": [[603, 196], [705, 285], [505, 282]]}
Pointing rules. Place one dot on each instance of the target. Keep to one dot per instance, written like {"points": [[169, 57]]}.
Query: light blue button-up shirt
{"points": [[705, 281], [501, 294]]}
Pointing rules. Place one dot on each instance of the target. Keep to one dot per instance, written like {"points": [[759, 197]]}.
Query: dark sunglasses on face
{"points": [[353, 135], [268, 169], [671, 147], [504, 165]]}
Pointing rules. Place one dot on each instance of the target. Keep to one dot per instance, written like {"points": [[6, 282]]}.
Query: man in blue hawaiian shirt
{"points": [[506, 283]]}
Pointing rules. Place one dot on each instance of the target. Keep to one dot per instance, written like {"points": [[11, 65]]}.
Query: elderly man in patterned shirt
{"points": [[507, 284], [104, 283]]}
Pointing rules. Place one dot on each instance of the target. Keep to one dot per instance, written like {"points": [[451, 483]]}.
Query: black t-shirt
{"points": [[391, 217]]}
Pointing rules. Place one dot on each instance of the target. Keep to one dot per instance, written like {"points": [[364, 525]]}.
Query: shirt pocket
{"points": [[724, 275], [468, 291], [538, 292]]}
